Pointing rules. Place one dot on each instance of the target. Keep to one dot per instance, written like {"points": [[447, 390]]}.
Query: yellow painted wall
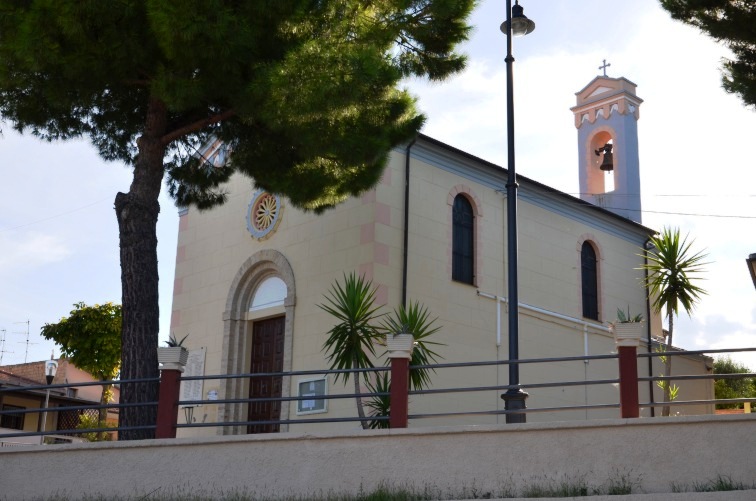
{"points": [[365, 235]]}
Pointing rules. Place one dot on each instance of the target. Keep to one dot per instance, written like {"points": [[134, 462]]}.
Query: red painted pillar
{"points": [[628, 376], [400, 347], [399, 413], [168, 399]]}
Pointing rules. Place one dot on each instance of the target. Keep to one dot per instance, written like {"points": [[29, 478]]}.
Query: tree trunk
{"points": [[358, 391], [137, 213], [104, 400], [102, 415], [668, 368]]}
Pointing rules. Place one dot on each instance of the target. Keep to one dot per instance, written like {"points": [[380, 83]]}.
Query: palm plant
{"points": [[380, 403], [673, 268], [350, 342], [415, 320]]}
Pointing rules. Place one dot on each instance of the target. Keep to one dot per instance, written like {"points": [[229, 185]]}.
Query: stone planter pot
{"points": [[400, 345], [628, 333], [173, 357]]}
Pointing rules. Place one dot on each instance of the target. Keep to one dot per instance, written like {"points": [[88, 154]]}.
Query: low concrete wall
{"points": [[451, 462]]}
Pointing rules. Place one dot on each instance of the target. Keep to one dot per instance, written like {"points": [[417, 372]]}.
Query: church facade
{"points": [[251, 274]]}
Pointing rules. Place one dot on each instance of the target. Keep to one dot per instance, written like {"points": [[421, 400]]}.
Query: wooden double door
{"points": [[267, 357]]}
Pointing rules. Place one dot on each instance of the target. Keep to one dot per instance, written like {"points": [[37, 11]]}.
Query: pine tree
{"points": [[732, 22], [303, 92]]}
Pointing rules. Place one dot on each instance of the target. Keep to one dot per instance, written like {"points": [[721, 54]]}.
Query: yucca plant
{"points": [[673, 270], [415, 320], [350, 342], [380, 403]]}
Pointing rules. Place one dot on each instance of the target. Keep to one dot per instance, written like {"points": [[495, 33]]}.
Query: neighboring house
{"points": [[250, 274], [15, 381]]}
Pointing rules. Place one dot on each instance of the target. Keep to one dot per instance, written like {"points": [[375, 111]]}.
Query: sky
{"points": [[59, 235]]}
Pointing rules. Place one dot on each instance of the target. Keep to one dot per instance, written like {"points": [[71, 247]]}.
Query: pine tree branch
{"points": [[196, 126]]}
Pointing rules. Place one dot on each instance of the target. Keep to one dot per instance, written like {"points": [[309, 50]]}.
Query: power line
{"points": [[687, 213], [53, 217]]}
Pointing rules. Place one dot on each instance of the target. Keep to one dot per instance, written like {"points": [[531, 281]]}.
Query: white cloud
{"points": [[27, 251]]}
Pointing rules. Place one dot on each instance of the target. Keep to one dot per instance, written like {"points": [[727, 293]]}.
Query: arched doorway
{"points": [[257, 337]]}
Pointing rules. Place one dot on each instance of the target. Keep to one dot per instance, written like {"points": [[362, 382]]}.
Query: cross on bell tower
{"points": [[604, 66], [606, 117]]}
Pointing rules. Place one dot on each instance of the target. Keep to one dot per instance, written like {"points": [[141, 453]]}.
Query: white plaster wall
{"points": [[651, 453]]}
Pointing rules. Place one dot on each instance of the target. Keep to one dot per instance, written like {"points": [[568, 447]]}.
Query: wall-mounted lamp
{"points": [[608, 164]]}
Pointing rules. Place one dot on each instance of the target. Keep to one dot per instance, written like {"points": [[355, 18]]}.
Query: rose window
{"points": [[263, 214]]}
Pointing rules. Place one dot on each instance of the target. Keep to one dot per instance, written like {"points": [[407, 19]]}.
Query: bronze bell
{"points": [[607, 165]]}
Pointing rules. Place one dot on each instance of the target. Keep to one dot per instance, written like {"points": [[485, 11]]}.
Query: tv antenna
{"points": [[3, 351], [27, 342]]}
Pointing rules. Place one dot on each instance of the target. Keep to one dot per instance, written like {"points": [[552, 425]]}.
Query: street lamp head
{"points": [[521, 25], [51, 367], [751, 261]]}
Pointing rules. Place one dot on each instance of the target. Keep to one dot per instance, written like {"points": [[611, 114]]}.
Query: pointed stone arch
{"points": [[237, 330]]}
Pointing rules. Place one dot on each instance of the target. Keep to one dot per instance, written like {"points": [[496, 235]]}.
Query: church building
{"points": [[251, 274]]}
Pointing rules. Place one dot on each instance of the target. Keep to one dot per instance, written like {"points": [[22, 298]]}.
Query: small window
{"points": [[271, 292], [12, 421], [312, 388], [463, 249], [589, 276]]}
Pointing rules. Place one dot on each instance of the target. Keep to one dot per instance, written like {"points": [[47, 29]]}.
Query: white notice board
{"points": [[195, 366]]}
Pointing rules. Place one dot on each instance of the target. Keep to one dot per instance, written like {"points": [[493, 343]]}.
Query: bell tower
{"points": [[606, 117]]}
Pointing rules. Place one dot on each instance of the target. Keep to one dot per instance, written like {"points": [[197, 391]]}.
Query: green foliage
{"points": [[308, 87], [671, 390], [174, 343], [732, 388], [627, 318], [673, 270], [304, 93], [730, 22], [350, 342], [416, 321], [379, 403], [90, 337], [92, 422]]}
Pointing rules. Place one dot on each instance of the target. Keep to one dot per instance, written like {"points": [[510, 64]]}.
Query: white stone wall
{"points": [[649, 454]]}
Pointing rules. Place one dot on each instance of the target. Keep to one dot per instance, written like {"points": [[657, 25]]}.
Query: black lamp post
{"points": [[751, 261], [514, 399]]}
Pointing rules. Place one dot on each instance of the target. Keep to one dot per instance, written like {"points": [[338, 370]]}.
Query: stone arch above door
{"points": [[237, 330]]}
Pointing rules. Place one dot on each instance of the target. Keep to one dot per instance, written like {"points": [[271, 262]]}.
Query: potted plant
{"points": [[400, 343], [174, 355], [627, 329]]}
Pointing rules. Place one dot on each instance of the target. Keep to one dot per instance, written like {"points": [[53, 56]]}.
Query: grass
{"points": [[551, 488], [618, 484], [717, 484]]}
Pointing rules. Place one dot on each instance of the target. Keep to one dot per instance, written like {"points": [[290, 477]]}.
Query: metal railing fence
{"points": [[80, 408]]}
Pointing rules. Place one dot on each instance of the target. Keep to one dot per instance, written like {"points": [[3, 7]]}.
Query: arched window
{"points": [[271, 292], [589, 275], [463, 249]]}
